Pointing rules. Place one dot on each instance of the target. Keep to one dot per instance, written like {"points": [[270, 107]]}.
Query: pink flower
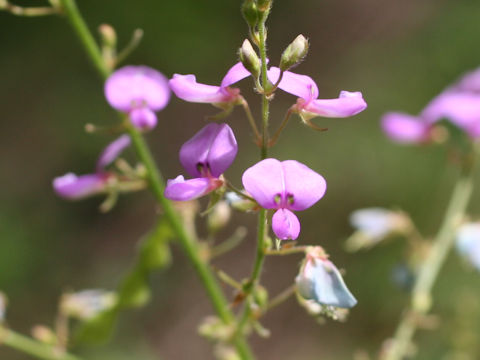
{"points": [[73, 187], [286, 186], [459, 103], [186, 87], [206, 156], [138, 91], [308, 104]]}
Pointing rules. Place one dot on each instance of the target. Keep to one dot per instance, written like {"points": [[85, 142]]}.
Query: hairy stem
{"points": [[214, 292], [32, 347], [422, 291]]}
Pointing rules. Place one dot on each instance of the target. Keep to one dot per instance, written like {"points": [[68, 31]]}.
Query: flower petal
{"points": [[321, 281], [304, 186], [462, 109], [264, 181], [180, 189], [73, 187], [214, 147], [187, 88], [347, 104], [300, 85], [112, 151], [143, 118], [133, 86], [236, 73], [404, 128], [285, 224]]}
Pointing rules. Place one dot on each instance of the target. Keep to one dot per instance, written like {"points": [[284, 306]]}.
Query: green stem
{"points": [[421, 296], [262, 216], [32, 347], [214, 292]]}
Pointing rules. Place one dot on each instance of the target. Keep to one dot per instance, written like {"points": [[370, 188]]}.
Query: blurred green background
{"points": [[398, 53]]}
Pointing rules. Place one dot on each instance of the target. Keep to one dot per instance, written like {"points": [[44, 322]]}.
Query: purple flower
{"points": [[187, 88], [73, 187], [459, 103], [319, 280], [286, 186], [206, 156], [138, 91], [308, 104]]}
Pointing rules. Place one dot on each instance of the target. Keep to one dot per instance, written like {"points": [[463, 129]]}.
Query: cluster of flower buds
{"points": [[459, 103]]}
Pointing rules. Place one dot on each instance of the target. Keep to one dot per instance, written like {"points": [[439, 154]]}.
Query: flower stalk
{"points": [[157, 185], [421, 301]]}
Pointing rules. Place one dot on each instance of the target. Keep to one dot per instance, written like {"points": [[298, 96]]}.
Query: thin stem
{"points": [[73, 15], [421, 296], [28, 11], [251, 120], [265, 104], [239, 192], [284, 123], [214, 292], [287, 251], [262, 216], [282, 297], [32, 347], [131, 46]]}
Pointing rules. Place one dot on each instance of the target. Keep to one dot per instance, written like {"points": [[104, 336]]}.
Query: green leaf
{"points": [[134, 291]]}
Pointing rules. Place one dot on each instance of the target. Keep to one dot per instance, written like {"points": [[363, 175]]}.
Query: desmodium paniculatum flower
{"points": [[308, 105], [186, 87], [468, 243], [138, 91], [286, 186], [319, 280], [74, 187], [205, 156], [459, 104], [374, 225]]}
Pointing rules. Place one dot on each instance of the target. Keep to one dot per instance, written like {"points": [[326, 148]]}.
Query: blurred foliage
{"points": [[398, 53]]}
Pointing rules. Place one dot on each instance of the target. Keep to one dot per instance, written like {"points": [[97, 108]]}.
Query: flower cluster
{"points": [[73, 187], [459, 103]]}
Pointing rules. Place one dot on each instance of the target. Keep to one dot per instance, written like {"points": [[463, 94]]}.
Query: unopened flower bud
{"points": [[239, 203], [215, 329], [264, 5], [108, 34], [44, 334], [225, 352], [468, 243], [219, 216], [250, 12], [249, 58], [294, 53]]}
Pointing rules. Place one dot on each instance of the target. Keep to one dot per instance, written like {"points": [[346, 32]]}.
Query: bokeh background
{"points": [[399, 53]]}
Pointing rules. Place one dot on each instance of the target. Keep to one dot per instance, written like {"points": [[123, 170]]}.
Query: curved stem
{"points": [[214, 292], [32, 347], [421, 296], [284, 123]]}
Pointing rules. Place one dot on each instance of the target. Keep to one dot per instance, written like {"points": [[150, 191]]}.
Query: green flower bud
{"points": [[264, 5], [294, 53], [249, 58], [44, 334], [250, 13]]}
